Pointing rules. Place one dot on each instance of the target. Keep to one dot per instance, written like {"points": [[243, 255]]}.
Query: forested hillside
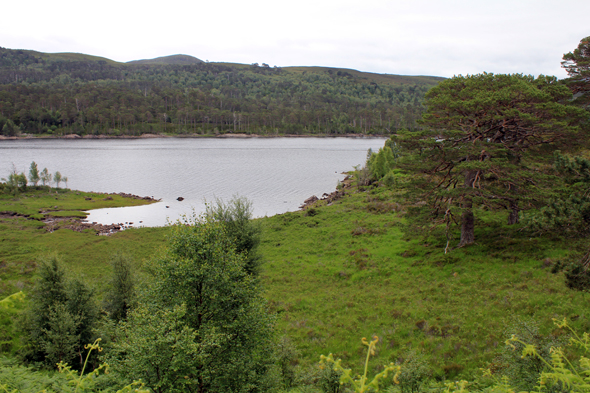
{"points": [[86, 95]]}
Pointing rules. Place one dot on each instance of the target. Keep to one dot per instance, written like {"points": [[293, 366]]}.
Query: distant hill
{"points": [[74, 93], [388, 79], [69, 56], [357, 76], [169, 60]]}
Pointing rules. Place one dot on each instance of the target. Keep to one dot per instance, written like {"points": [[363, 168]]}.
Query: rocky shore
{"points": [[328, 198], [100, 229]]}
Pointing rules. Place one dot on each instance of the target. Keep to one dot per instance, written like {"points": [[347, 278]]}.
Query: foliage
{"points": [[156, 346], [568, 212], [18, 378], [121, 294], [414, 373], [60, 318], [286, 359], [9, 332], [577, 65], [361, 384], [46, 177], [57, 178], [559, 370], [577, 273], [381, 164], [57, 96], [59, 339], [15, 182], [14, 378], [9, 128], [34, 174], [488, 139], [523, 372], [236, 216], [209, 303]]}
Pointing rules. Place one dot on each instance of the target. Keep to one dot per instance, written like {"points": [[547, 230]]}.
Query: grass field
{"points": [[356, 268]]}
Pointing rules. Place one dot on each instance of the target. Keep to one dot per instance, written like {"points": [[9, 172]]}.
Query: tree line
{"points": [[39, 96], [17, 182]]}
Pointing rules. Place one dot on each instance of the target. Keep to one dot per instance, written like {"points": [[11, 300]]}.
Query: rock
{"points": [[180, 199], [311, 199]]}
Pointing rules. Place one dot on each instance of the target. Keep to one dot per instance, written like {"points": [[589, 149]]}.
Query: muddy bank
{"points": [[100, 229], [77, 223]]}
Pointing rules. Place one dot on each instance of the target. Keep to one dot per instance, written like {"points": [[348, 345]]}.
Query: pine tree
{"points": [[488, 139], [577, 65], [61, 316], [122, 291]]}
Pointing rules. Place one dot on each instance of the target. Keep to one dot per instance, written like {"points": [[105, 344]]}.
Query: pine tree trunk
{"points": [[467, 225], [467, 219], [513, 216]]}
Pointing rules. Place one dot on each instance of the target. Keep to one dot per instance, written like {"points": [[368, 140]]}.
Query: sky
{"points": [[411, 37]]}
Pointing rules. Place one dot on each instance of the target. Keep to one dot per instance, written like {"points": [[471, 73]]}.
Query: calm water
{"points": [[276, 174]]}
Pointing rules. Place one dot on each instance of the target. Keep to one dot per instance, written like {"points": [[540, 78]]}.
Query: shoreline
{"points": [[195, 136]]}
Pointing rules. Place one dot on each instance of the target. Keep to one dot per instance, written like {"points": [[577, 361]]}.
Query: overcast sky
{"points": [[424, 37]]}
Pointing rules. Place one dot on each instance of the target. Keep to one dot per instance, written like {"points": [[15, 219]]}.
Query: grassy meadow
{"points": [[334, 274], [357, 269], [26, 236]]}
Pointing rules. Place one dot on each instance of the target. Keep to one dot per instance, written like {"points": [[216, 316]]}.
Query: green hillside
{"points": [[64, 93], [165, 60], [70, 57]]}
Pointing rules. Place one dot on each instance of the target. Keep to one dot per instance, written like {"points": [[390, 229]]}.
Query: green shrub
{"points": [[361, 383], [523, 372], [202, 323], [236, 216], [414, 373], [577, 273], [121, 293], [60, 318], [10, 307]]}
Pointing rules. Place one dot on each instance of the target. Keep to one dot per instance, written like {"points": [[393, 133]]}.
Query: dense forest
{"points": [[86, 95]]}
